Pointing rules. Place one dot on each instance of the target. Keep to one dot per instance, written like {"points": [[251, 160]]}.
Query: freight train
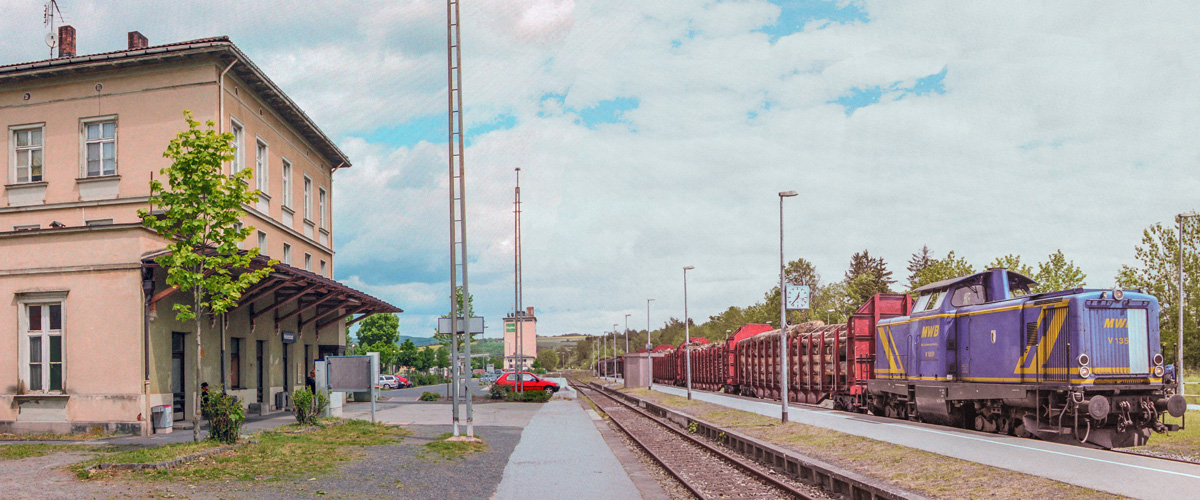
{"points": [[978, 351]]}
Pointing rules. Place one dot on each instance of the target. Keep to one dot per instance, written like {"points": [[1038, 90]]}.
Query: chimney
{"points": [[529, 311], [66, 41], [137, 41]]}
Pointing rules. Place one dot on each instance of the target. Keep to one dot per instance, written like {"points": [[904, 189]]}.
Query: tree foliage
{"points": [[201, 209], [379, 328], [1013, 263], [548, 359], [942, 269], [1058, 273], [466, 310], [1157, 273], [917, 263], [867, 276]]}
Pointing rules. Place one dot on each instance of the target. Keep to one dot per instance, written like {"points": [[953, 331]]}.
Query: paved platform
{"points": [[562, 455], [1132, 476]]}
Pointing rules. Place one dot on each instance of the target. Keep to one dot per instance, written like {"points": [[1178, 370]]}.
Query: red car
{"points": [[403, 381], [530, 381]]}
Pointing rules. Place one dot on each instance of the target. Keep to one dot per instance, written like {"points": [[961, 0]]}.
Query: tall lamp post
{"points": [[687, 335], [614, 334], [649, 348], [1179, 346], [783, 356]]}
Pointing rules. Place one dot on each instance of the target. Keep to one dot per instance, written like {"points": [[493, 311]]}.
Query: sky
{"points": [[653, 135]]}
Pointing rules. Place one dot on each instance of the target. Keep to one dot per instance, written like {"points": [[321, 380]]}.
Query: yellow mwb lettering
{"points": [[929, 331], [1115, 322]]}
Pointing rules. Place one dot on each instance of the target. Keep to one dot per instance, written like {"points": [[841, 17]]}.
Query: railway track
{"points": [[706, 470]]}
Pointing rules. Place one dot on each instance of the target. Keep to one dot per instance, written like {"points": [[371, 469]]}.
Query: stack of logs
{"points": [[817, 363]]}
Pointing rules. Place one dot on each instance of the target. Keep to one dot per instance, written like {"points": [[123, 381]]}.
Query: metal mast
{"points": [[517, 285], [458, 219]]}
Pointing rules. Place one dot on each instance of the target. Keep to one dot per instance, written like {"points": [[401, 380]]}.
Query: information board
{"points": [[350, 374]]}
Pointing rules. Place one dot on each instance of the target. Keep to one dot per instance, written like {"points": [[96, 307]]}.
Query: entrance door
{"points": [[178, 398], [286, 385], [261, 370]]}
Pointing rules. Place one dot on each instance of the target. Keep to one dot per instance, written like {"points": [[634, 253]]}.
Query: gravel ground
{"points": [[400, 471]]}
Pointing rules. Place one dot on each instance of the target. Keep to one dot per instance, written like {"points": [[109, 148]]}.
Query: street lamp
{"points": [[687, 335], [614, 351], [783, 379], [649, 348], [1179, 347]]}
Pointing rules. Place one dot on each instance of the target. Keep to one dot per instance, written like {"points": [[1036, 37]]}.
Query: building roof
{"points": [[220, 48]]}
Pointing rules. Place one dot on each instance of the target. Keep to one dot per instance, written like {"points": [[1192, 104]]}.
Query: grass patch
{"points": [[275, 456], [453, 450], [95, 433], [19, 451], [1183, 442], [934, 475]]}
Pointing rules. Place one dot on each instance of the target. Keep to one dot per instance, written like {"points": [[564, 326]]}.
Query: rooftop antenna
{"points": [[48, 13]]}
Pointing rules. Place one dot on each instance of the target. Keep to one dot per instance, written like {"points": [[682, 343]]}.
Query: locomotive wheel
{"points": [[1004, 425], [979, 423]]}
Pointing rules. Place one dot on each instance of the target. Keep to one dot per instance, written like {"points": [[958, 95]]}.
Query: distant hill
{"points": [[418, 341]]}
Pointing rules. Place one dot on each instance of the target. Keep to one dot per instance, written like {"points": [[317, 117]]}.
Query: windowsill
{"points": [[27, 185], [325, 231], [264, 197], [41, 396], [98, 178], [289, 210], [306, 221]]}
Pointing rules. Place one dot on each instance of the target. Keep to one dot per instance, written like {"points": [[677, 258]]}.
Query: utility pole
{"points": [[627, 333], [458, 219], [649, 347], [518, 330]]}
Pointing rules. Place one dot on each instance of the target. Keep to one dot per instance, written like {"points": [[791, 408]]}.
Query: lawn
{"points": [[273, 455], [1183, 442]]}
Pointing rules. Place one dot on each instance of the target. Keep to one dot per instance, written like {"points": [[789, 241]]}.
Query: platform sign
{"points": [[475, 325], [798, 297], [350, 373]]}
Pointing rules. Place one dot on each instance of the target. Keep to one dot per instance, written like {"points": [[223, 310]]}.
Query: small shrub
{"points": [[225, 417], [430, 396], [308, 406], [528, 396]]}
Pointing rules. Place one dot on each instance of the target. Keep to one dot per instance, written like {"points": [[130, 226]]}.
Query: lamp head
{"points": [[688, 268], [787, 194]]}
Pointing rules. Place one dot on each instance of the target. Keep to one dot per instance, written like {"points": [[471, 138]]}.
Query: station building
{"points": [[522, 325], [87, 331]]}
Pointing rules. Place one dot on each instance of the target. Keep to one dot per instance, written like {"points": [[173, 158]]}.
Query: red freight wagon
{"points": [[730, 366]]}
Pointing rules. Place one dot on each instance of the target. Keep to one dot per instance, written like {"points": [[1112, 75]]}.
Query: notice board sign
{"points": [[350, 373]]}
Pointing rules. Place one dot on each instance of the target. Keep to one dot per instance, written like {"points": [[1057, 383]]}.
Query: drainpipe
{"points": [[224, 377], [147, 293]]}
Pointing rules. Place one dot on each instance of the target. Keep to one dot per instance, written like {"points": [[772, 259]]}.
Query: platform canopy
{"points": [[317, 299]]}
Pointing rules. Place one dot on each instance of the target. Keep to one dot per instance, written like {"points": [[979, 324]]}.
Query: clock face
{"points": [[798, 297]]}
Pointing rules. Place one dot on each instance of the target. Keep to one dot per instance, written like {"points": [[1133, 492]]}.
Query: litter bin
{"points": [[163, 418]]}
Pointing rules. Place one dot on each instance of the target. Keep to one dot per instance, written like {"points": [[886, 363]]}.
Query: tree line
{"points": [[1155, 272]]}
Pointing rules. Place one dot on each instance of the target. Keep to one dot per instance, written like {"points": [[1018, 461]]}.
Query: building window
{"points": [[321, 207], [43, 334], [308, 262], [260, 172], [26, 227], [235, 363], [237, 226], [287, 183], [323, 267], [99, 222], [262, 243], [239, 156], [287, 254], [307, 198], [27, 148], [100, 145]]}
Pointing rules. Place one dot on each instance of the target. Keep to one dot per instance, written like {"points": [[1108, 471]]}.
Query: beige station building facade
{"points": [[520, 330], [87, 331]]}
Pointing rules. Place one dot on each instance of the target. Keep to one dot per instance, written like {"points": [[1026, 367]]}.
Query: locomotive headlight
{"points": [[1118, 294], [1085, 372], [1158, 359], [1158, 371], [1084, 359]]}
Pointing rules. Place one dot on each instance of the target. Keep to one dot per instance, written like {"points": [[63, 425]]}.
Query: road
{"points": [[1128, 475], [414, 393]]}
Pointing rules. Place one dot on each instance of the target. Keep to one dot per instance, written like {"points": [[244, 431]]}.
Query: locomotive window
{"points": [[968, 296], [935, 300], [922, 301]]}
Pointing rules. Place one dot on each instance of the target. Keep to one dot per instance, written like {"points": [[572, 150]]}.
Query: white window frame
{"points": [[287, 254], [308, 262], [237, 226], [83, 145], [98, 222], [323, 268], [239, 145], [322, 203], [14, 177], [262, 165], [45, 300], [308, 198], [26, 227], [262, 243], [287, 183]]}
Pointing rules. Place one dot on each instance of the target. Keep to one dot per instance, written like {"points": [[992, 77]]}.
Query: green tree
{"points": [[408, 353], [549, 359], [201, 209], [379, 328], [917, 263], [469, 308], [350, 345], [866, 277], [1058, 273], [424, 360], [943, 269], [389, 353], [1012, 263], [1157, 274]]}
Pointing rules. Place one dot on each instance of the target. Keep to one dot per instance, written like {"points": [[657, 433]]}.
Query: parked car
{"points": [[403, 381], [388, 382], [531, 382]]}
